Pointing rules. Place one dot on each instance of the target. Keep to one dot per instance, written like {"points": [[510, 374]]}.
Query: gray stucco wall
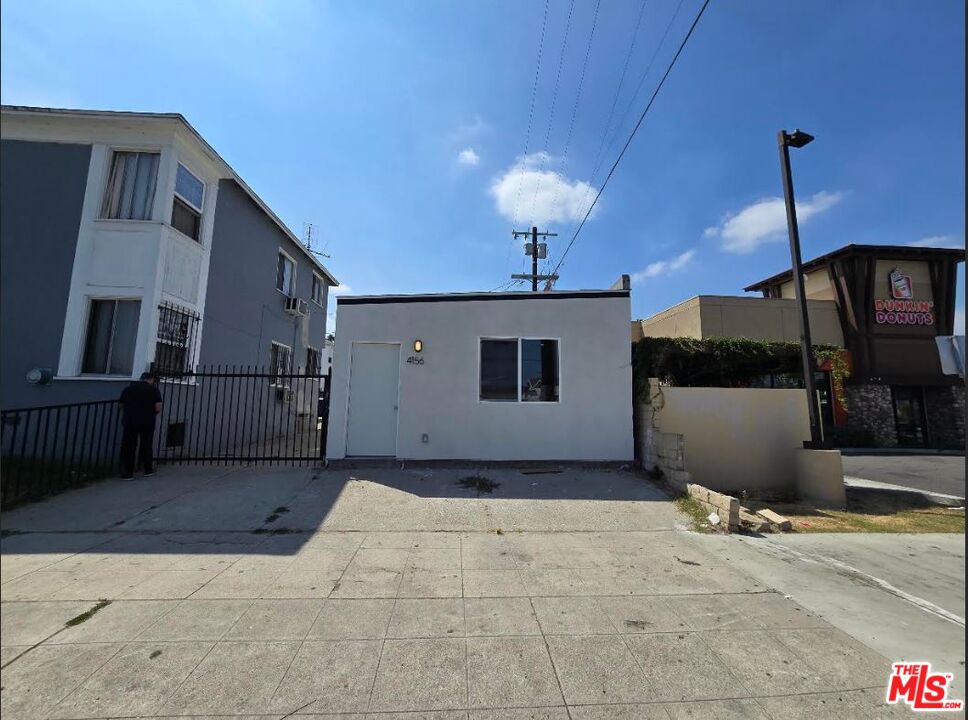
{"points": [[244, 313], [41, 192]]}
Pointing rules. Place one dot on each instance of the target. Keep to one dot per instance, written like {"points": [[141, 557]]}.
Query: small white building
{"points": [[483, 376]]}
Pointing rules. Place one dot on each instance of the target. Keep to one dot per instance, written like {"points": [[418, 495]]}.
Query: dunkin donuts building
{"points": [[891, 302], [884, 305]]}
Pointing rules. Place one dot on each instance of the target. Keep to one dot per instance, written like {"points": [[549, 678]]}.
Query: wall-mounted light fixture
{"points": [[418, 345]]}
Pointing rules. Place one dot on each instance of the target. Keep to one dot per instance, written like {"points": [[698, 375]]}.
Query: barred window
{"points": [[312, 361], [280, 364], [174, 346]]}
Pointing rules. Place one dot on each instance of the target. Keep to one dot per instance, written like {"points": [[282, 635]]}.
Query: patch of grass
{"points": [[688, 505], [872, 512], [85, 616], [479, 483]]}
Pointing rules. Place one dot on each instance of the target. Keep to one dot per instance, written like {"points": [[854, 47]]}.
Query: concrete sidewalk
{"points": [[367, 594]]}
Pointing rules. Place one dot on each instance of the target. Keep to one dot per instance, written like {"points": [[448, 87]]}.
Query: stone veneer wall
{"points": [[870, 408], [945, 410]]}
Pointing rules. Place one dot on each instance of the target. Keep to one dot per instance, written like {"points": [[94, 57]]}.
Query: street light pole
{"points": [[785, 140]]}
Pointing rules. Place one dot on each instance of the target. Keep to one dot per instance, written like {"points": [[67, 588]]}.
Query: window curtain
{"points": [[131, 186]]}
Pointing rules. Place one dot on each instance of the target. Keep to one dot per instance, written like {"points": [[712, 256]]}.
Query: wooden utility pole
{"points": [[536, 251]]}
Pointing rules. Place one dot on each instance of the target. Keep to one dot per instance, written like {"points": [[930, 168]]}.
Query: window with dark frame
{"points": [[285, 274], [280, 364], [112, 331], [186, 209], [317, 291], [312, 361], [130, 191]]}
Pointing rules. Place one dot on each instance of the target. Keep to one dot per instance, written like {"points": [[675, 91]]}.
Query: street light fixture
{"points": [[785, 140]]}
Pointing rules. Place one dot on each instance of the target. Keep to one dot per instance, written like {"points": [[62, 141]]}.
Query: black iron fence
{"points": [[216, 415], [49, 449], [243, 414]]}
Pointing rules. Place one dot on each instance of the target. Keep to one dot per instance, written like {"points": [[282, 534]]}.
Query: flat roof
{"points": [[478, 296], [899, 251], [178, 117]]}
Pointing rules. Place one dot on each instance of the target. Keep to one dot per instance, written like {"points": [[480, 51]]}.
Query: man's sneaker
{"points": [[149, 474], [127, 477]]}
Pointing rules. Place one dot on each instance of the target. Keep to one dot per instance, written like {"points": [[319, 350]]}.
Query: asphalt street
{"points": [[935, 473]]}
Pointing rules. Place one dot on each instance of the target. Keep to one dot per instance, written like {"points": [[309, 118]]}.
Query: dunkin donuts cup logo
{"points": [[901, 286]]}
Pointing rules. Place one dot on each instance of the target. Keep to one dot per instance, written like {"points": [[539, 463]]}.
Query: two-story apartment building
{"points": [[127, 242]]}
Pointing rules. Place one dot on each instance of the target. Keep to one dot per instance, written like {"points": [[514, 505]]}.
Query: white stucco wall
{"points": [[592, 421]]}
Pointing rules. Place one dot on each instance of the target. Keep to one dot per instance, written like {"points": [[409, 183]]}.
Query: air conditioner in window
{"points": [[295, 306]]}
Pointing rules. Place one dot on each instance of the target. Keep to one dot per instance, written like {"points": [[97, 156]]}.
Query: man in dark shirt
{"points": [[140, 403]]}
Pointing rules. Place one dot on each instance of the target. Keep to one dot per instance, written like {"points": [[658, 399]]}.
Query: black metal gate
{"points": [[243, 414]]}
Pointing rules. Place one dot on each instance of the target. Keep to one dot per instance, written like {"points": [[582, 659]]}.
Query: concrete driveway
{"points": [[371, 593], [936, 473]]}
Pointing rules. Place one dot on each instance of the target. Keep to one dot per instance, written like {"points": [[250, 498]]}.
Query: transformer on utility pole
{"points": [[537, 251]]}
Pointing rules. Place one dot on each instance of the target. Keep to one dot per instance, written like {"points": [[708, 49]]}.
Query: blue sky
{"points": [[401, 129]]}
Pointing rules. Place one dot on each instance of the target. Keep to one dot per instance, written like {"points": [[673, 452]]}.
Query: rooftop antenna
{"points": [[308, 230]]}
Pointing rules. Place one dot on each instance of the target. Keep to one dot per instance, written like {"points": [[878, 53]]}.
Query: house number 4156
{"points": [[415, 360]]}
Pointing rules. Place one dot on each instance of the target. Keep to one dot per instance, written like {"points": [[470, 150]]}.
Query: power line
{"points": [[604, 148], [600, 154], [527, 136], [534, 95], [628, 142], [554, 100], [638, 86], [574, 110]]}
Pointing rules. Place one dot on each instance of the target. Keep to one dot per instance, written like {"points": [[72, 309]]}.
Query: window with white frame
{"points": [[280, 364], [177, 327], [318, 289], [130, 192], [519, 370], [286, 275], [112, 331], [186, 208]]}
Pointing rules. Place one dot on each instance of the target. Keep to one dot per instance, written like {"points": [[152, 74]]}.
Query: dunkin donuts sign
{"points": [[902, 308]]}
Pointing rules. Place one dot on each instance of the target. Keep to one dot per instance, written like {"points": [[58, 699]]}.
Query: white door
{"points": [[371, 428]]}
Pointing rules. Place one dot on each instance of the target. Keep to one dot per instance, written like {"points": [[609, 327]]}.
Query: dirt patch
{"points": [[872, 511], [479, 483]]}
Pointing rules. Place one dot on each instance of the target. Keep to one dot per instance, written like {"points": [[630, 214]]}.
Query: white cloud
{"points": [[765, 221], [664, 267], [529, 193], [467, 156], [342, 290], [947, 241]]}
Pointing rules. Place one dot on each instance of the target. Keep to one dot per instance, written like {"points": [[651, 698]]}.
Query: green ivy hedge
{"points": [[722, 362]]}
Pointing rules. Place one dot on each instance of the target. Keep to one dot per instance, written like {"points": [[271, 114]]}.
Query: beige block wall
{"points": [[734, 439], [816, 283], [748, 317], [769, 319], [682, 320]]}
